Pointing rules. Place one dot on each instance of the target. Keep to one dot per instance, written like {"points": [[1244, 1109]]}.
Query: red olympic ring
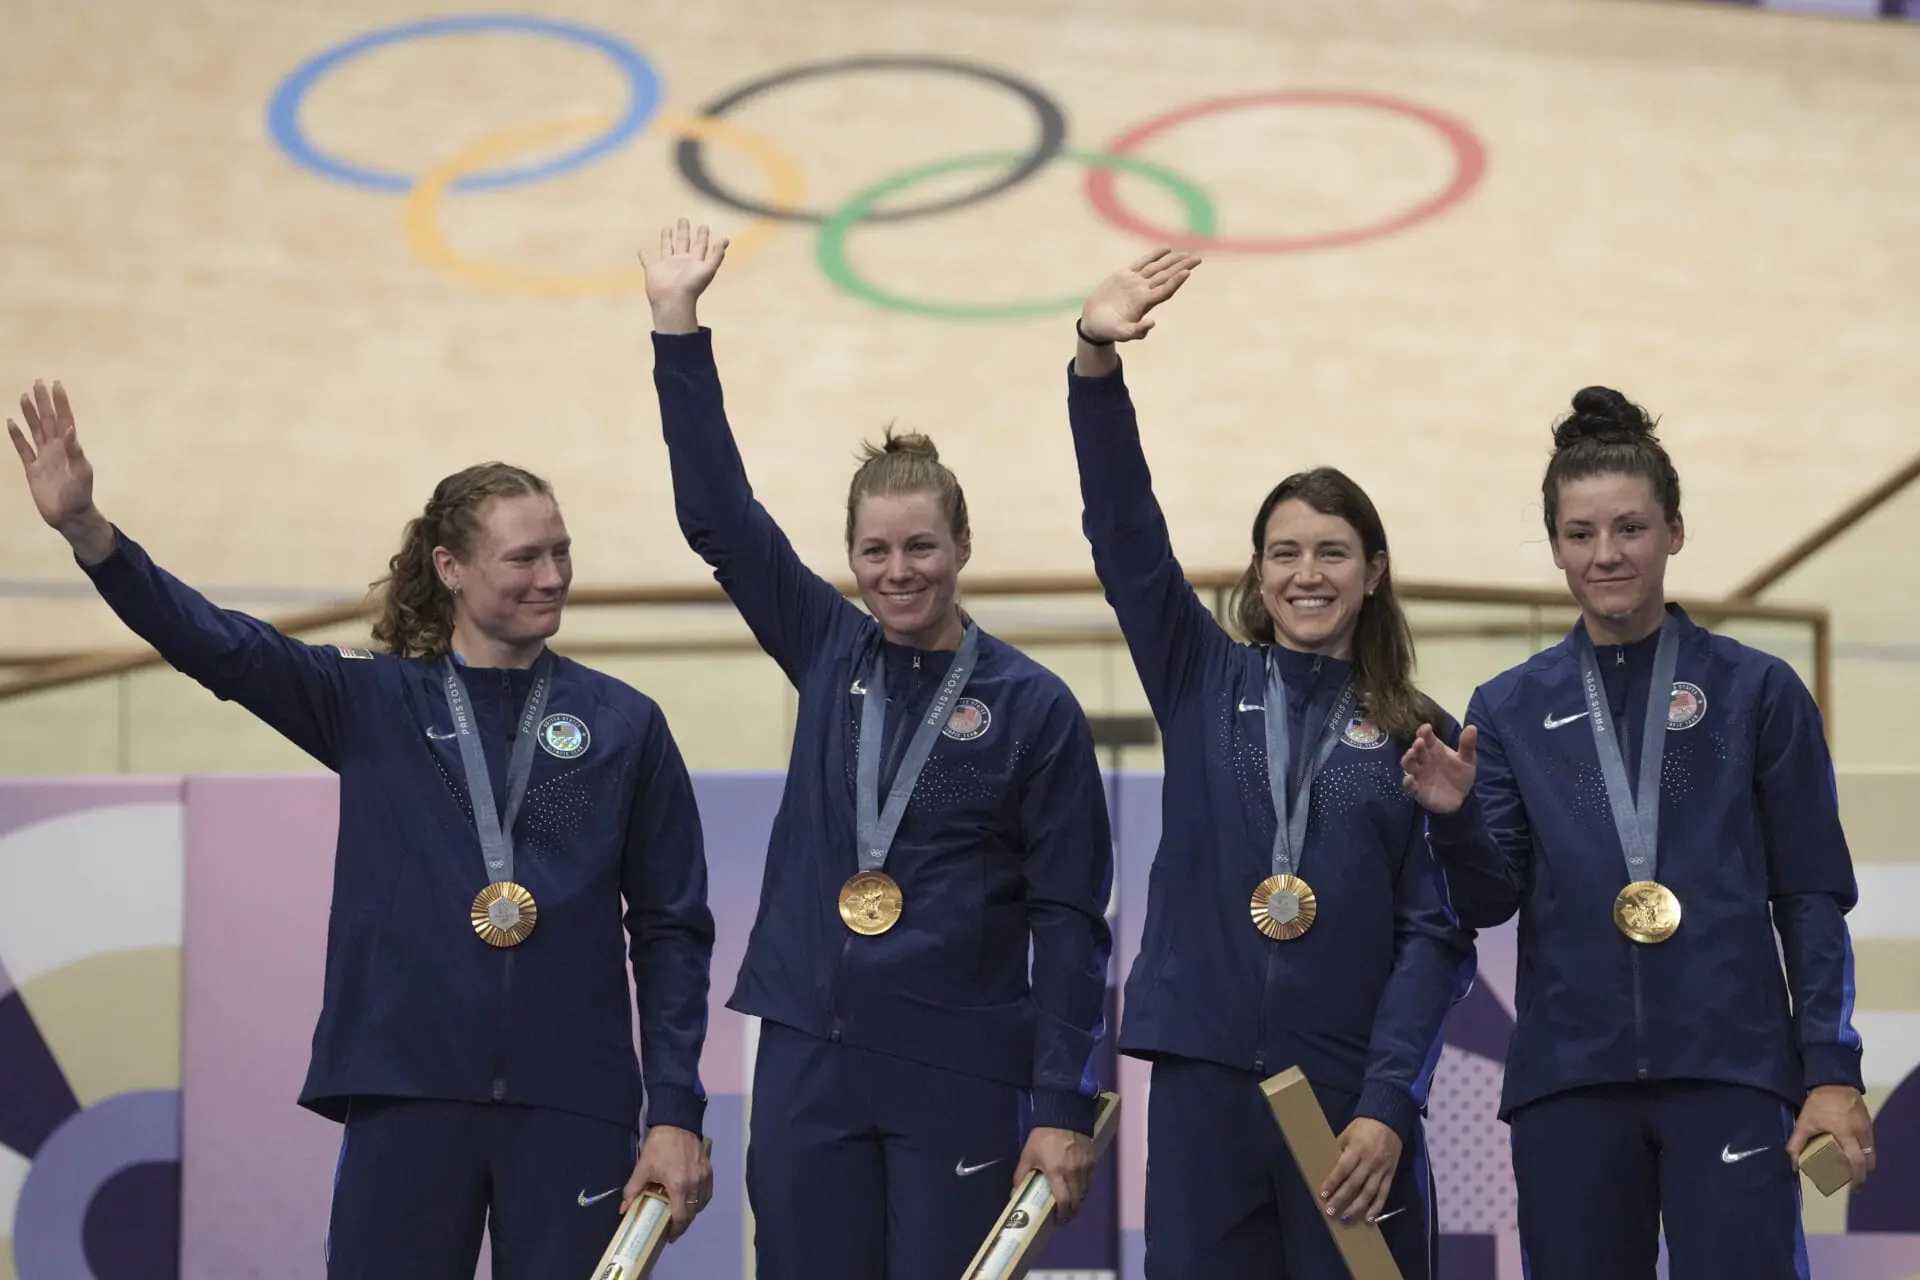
{"points": [[1469, 165]]}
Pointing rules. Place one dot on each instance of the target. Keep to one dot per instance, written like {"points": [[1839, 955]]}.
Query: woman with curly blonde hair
{"points": [[497, 804]]}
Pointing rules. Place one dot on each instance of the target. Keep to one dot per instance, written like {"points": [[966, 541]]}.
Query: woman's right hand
{"points": [[1117, 311], [1436, 775], [58, 474], [677, 275]]}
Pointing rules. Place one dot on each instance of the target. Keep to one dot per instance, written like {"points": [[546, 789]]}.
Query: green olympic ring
{"points": [[831, 252]]}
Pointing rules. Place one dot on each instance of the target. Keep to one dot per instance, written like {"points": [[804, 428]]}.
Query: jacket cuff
{"points": [[673, 1105], [116, 564], [682, 349], [1063, 1109], [1390, 1104], [1462, 826], [1831, 1064], [1104, 386]]}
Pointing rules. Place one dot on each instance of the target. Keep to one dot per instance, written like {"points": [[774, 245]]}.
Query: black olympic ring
{"points": [[690, 153]]}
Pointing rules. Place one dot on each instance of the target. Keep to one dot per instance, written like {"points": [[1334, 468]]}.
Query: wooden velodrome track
{"points": [[229, 229]]}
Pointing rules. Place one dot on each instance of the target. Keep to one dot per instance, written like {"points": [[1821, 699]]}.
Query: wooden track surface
{"points": [[1709, 208]]}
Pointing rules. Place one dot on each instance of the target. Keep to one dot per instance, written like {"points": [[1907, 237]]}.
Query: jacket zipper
{"points": [[837, 1003]]}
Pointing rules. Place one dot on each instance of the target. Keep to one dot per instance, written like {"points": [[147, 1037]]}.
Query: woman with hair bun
{"points": [[511, 822], [1657, 804], [1296, 917], [944, 819]]}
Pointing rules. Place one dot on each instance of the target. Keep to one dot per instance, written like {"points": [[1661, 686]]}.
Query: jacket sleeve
{"points": [[1069, 873], [663, 877], [1167, 628], [1486, 847], [295, 687], [792, 611], [1810, 876], [1433, 966]]}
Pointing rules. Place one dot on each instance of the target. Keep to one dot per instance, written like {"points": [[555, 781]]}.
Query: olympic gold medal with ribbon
{"points": [[504, 914], [1647, 911], [1284, 907], [871, 903]]}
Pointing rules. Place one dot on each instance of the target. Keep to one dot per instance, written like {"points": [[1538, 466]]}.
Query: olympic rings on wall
{"points": [[783, 203], [283, 112], [1469, 163], [1046, 112], [832, 250], [421, 215]]}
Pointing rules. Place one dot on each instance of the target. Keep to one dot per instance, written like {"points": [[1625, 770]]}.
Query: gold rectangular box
{"points": [[1825, 1164], [636, 1246], [1316, 1151], [1024, 1225]]}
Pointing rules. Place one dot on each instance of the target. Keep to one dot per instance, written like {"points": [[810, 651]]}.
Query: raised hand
{"points": [[1436, 775], [58, 474], [680, 272], [1117, 311]]}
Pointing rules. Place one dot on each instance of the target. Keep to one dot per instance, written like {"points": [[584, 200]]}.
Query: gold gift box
{"points": [[1024, 1225]]}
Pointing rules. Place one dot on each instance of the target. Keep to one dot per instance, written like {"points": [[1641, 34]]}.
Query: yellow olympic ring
{"points": [[421, 215]]}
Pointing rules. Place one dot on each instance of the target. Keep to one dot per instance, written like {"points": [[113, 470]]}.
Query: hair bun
{"points": [[910, 442], [1604, 416]]}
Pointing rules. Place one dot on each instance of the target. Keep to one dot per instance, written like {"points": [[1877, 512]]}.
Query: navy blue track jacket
{"points": [[1358, 1002], [415, 1004], [1005, 841], [1750, 842]]}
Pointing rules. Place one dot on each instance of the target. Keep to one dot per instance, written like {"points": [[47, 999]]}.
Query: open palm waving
{"points": [[58, 474]]}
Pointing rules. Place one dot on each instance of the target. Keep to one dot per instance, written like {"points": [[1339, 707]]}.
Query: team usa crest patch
{"points": [[1688, 707], [970, 719], [1364, 734], [564, 736]]}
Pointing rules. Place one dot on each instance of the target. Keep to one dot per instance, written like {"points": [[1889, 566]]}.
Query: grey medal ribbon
{"points": [[1636, 816], [876, 826], [496, 833], [1291, 805]]}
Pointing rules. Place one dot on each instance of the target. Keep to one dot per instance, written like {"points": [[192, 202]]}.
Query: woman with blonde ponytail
{"points": [[474, 1032], [944, 819]]}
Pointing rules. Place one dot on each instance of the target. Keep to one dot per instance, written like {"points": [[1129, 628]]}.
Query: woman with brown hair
{"points": [[497, 805], [1656, 803], [944, 820], [1295, 916]]}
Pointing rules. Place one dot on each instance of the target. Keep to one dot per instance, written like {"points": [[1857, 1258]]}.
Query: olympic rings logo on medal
{"points": [[564, 736], [489, 164]]}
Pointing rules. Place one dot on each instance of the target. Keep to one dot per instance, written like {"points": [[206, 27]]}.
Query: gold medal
{"points": [[504, 914], [1284, 907], [1647, 911], [871, 903]]}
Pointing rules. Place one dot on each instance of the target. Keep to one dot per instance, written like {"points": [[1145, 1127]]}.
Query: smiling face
{"points": [[1612, 540], [512, 584], [1314, 578], [907, 564]]}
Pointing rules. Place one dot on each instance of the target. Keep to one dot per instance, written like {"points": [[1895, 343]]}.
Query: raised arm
{"points": [[294, 687], [792, 611], [1811, 883], [1167, 628], [1476, 821]]}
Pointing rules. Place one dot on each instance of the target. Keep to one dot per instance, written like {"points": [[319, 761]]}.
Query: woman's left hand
{"points": [[1369, 1154]]}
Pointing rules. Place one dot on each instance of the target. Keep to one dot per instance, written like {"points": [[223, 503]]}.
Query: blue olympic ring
{"points": [[283, 113]]}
